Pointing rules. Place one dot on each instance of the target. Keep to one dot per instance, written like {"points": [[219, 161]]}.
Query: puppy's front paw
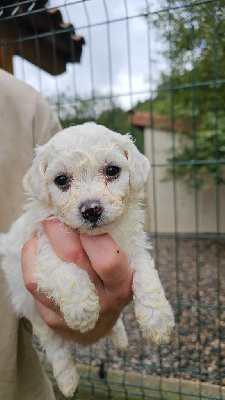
{"points": [[156, 323], [69, 286], [80, 302], [83, 314], [152, 310]]}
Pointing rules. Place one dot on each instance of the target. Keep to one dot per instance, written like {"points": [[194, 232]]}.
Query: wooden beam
{"points": [[6, 57]]}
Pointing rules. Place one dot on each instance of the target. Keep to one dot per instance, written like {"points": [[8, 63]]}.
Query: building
{"points": [[171, 206]]}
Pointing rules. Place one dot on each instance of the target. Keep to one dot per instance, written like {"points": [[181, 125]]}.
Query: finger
{"points": [[108, 260], [28, 263], [65, 241], [68, 247], [56, 322], [53, 318]]}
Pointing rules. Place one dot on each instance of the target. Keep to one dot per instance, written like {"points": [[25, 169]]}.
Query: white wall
{"points": [[195, 210]]}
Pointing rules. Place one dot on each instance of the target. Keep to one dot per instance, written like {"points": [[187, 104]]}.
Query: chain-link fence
{"points": [[155, 69]]}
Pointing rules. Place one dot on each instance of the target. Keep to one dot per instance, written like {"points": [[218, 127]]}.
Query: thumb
{"points": [[108, 260]]}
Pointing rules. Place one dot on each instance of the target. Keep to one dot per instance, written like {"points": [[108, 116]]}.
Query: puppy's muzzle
{"points": [[91, 210]]}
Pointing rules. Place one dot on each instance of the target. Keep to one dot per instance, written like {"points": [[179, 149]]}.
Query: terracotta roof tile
{"points": [[143, 119]]}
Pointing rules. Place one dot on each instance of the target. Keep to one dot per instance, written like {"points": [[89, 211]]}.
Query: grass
{"points": [[133, 386]]}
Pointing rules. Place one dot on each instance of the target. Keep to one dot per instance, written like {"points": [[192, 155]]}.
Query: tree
{"points": [[194, 87]]}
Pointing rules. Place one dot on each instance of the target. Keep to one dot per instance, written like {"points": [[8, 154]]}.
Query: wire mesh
{"points": [[135, 57]]}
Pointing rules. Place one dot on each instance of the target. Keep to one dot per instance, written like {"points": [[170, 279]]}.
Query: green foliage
{"points": [[193, 89], [200, 157], [160, 105]]}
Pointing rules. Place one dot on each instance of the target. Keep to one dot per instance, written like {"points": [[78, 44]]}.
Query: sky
{"points": [[123, 57]]}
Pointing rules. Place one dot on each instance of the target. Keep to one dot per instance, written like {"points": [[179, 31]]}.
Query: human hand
{"points": [[103, 260]]}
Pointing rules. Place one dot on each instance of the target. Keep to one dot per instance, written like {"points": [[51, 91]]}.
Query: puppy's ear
{"points": [[139, 165], [34, 180]]}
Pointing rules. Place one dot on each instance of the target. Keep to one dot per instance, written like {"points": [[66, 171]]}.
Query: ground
{"points": [[193, 275]]}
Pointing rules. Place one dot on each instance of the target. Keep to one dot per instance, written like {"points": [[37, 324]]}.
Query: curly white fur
{"points": [[104, 172]]}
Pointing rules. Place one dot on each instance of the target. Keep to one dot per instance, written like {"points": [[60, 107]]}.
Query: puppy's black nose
{"points": [[91, 210]]}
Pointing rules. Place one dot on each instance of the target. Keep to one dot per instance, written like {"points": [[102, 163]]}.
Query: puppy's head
{"points": [[88, 175]]}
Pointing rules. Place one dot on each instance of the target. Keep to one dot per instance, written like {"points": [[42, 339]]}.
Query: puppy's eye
{"points": [[62, 181], [112, 172]]}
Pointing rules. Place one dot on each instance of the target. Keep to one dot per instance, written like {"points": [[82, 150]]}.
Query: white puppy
{"points": [[88, 177]]}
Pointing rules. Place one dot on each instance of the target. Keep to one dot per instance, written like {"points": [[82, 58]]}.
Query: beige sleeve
{"points": [[26, 120], [46, 123]]}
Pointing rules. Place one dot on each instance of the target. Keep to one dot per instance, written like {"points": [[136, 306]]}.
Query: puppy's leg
{"points": [[58, 352], [152, 310], [118, 336], [69, 286]]}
